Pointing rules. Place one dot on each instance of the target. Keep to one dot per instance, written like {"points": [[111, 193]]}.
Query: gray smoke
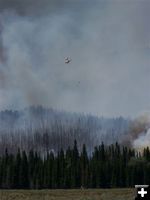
{"points": [[108, 42]]}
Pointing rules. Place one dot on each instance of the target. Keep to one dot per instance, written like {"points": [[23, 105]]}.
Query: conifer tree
{"points": [[84, 167], [24, 172], [17, 169]]}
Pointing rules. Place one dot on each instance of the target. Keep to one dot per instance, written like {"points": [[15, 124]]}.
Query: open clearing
{"points": [[88, 194]]}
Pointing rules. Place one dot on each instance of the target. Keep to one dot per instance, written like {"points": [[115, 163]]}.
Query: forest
{"points": [[44, 148], [106, 167]]}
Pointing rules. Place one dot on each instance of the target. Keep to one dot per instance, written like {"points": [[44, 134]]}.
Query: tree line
{"points": [[108, 166]]}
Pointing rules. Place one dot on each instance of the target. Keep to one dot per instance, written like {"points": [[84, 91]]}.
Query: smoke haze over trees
{"points": [[47, 129], [108, 76]]}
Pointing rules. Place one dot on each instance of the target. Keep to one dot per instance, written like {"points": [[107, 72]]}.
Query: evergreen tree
{"points": [[84, 167], [24, 172], [17, 170], [75, 174]]}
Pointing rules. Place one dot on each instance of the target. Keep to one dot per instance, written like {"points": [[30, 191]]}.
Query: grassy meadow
{"points": [[88, 194]]}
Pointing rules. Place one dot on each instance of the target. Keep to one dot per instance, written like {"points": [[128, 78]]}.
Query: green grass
{"points": [[88, 194]]}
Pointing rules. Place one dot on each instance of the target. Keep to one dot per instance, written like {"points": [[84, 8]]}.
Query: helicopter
{"points": [[67, 60]]}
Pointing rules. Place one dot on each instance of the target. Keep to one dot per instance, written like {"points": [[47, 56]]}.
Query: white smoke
{"points": [[142, 141], [141, 131]]}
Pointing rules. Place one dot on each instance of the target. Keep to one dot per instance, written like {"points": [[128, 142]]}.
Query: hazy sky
{"points": [[107, 40]]}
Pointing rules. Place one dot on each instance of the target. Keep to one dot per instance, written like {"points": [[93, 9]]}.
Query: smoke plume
{"points": [[108, 42], [139, 132]]}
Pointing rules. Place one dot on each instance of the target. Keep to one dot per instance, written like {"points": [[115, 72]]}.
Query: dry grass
{"points": [[91, 194]]}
